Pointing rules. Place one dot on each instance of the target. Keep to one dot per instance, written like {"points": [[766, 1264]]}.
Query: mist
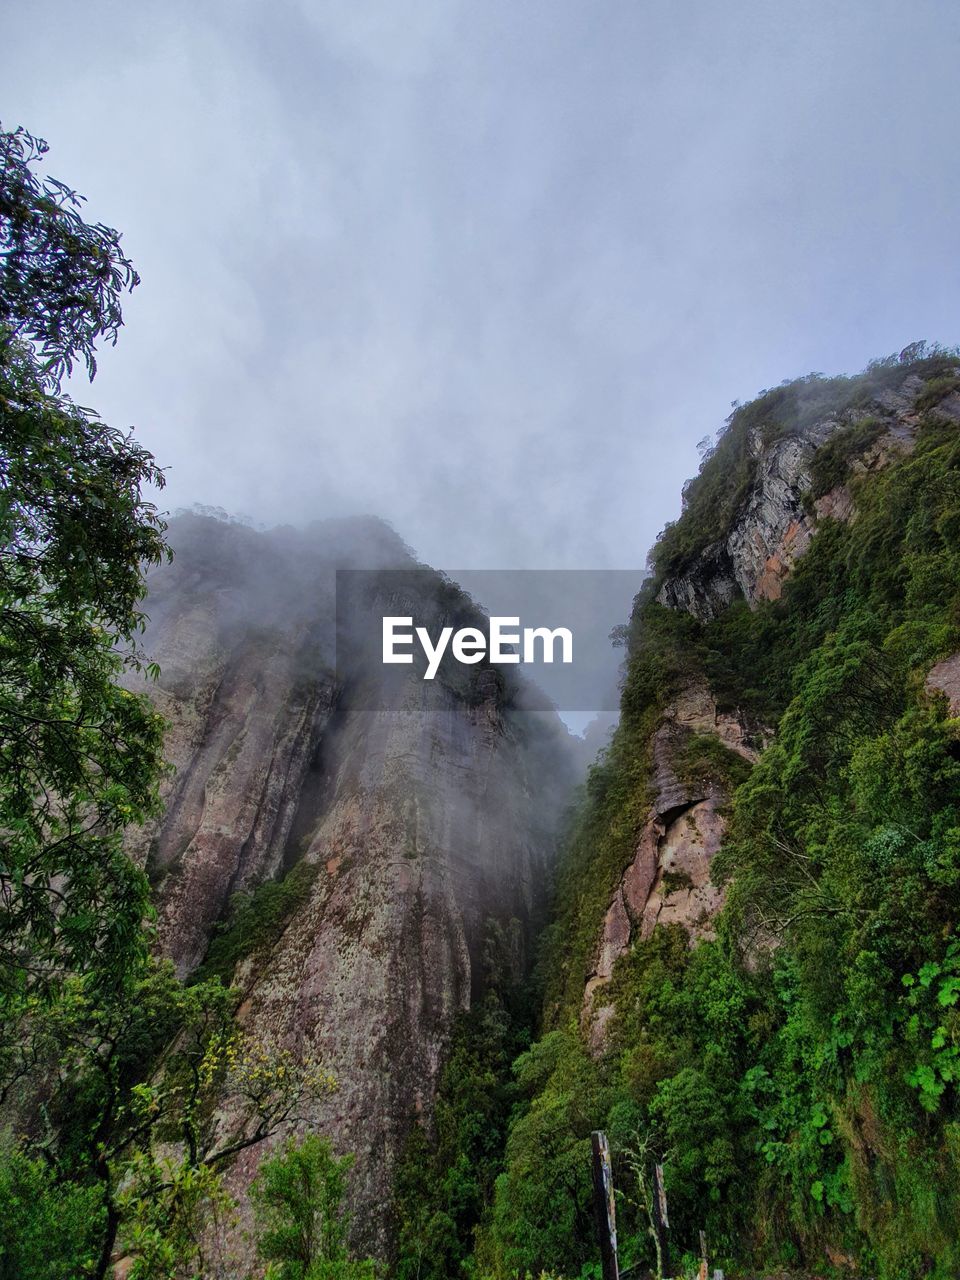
{"points": [[490, 271]]}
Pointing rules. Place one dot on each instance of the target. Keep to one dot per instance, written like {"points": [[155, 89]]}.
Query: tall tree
{"points": [[79, 756]]}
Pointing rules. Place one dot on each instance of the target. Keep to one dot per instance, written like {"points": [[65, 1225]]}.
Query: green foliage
{"points": [[256, 919], [79, 756], [94, 1046], [714, 497], [832, 460], [130, 1070], [542, 1217], [60, 278], [935, 390], [704, 761], [673, 1007], [301, 1227], [170, 1210], [444, 1185], [115, 1059], [48, 1229], [675, 882], [604, 831], [798, 1076]]}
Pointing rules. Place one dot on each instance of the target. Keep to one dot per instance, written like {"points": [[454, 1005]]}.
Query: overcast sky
{"points": [[491, 269]]}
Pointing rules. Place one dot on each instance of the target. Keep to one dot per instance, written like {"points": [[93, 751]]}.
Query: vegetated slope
{"points": [[336, 845], [753, 972]]}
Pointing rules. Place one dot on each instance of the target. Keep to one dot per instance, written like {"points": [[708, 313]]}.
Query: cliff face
{"points": [[775, 521], [793, 488], [410, 813], [667, 881], [754, 972]]}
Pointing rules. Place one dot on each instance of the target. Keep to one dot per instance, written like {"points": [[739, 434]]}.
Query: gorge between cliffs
{"points": [[730, 943]]}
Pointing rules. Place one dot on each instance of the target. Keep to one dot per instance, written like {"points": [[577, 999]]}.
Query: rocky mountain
{"points": [[752, 970], [397, 819], [746, 935], [778, 514], [792, 488]]}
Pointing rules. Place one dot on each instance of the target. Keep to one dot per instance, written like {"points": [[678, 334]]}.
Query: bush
{"points": [[48, 1230], [301, 1226], [256, 919]]}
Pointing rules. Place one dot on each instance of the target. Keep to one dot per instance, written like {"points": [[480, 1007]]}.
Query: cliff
{"points": [[752, 971], [801, 448], [786, 496], [399, 819]]}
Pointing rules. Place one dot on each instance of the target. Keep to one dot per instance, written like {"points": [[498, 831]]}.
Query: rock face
{"points": [[668, 879], [774, 525], [944, 678], [423, 811], [771, 531]]}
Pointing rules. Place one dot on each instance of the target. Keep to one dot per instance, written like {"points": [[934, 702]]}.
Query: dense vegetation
{"points": [[79, 757], [109, 1066], [797, 1074], [257, 917], [445, 1180]]}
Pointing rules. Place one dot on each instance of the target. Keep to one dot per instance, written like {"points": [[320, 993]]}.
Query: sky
{"points": [[491, 269]]}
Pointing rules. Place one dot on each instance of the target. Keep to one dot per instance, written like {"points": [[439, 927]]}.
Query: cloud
{"points": [[491, 270]]}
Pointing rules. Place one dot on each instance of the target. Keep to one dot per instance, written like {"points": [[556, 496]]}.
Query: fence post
{"points": [[604, 1205]]}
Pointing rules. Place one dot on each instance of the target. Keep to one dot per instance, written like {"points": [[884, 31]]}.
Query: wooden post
{"points": [[704, 1271], [604, 1205], [661, 1223]]}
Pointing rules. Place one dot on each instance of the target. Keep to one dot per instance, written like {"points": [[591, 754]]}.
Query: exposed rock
{"points": [[668, 879], [682, 892], [949, 406], [835, 504], [706, 588], [771, 530], [945, 678], [774, 525], [695, 707], [900, 401], [427, 810]]}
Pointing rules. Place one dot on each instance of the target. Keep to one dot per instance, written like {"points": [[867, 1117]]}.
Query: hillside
{"points": [[753, 967]]}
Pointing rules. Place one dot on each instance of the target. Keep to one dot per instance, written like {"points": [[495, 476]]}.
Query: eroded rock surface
{"points": [[427, 810], [775, 523], [668, 879], [944, 677]]}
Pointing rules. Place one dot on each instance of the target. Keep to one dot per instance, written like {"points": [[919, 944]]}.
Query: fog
{"points": [[490, 270]]}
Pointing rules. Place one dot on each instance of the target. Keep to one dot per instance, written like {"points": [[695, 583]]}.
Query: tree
{"points": [[302, 1228], [80, 757], [444, 1181], [151, 1089], [48, 1230], [60, 279]]}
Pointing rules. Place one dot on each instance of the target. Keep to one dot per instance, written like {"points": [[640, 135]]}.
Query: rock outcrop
{"points": [[944, 678], [775, 522], [423, 811], [668, 879]]}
